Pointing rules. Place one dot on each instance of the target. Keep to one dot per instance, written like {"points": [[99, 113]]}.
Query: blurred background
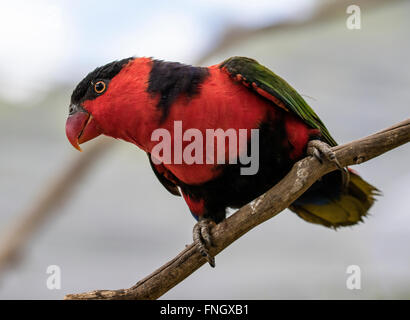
{"points": [[102, 216]]}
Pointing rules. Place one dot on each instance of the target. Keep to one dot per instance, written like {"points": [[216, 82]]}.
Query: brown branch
{"points": [[303, 174]]}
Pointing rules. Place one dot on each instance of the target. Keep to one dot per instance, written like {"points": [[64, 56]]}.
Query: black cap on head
{"points": [[106, 72]]}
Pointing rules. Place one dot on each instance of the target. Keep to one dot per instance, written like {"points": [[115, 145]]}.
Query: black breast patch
{"points": [[171, 79]]}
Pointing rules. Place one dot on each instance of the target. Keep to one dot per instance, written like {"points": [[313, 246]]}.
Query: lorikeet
{"points": [[131, 98]]}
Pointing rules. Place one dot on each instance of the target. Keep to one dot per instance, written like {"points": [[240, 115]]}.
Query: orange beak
{"points": [[81, 127]]}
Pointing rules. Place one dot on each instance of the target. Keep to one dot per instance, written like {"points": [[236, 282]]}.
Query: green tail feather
{"points": [[346, 210]]}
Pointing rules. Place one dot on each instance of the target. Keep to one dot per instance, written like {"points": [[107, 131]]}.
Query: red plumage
{"points": [[143, 95], [127, 111]]}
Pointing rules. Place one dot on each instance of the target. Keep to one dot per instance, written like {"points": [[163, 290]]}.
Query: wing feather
{"points": [[271, 86]]}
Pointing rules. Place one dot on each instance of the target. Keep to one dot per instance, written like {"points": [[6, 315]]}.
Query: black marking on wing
{"points": [[169, 185], [172, 79]]}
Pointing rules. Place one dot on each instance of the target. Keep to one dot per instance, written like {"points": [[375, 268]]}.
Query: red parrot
{"points": [[131, 98]]}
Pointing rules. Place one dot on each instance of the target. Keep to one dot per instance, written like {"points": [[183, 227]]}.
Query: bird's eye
{"points": [[99, 87]]}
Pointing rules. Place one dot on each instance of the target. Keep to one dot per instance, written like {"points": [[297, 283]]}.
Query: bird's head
{"points": [[93, 101]]}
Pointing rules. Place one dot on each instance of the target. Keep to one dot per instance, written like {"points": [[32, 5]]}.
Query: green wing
{"points": [[263, 81]]}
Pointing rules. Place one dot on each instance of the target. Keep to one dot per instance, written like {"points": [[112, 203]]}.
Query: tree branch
{"points": [[303, 174]]}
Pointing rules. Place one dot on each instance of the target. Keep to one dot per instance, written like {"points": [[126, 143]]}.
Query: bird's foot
{"points": [[321, 150], [203, 240]]}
